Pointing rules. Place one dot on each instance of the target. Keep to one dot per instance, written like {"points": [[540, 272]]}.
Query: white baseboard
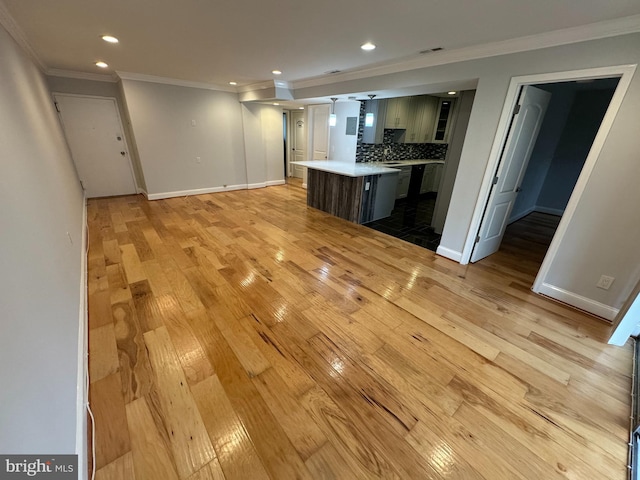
{"points": [[201, 191], [197, 191], [448, 253], [551, 211], [578, 301], [304, 185], [273, 183], [143, 192], [520, 215], [83, 355]]}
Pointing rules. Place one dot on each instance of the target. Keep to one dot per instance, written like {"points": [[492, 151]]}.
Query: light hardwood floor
{"points": [[242, 335]]}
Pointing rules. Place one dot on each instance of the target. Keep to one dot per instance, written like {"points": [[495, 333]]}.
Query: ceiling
{"points": [[219, 41]]}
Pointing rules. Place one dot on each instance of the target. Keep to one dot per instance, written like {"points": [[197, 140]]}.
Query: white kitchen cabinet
{"points": [[422, 112], [403, 182], [397, 114], [377, 110], [427, 179], [431, 177]]}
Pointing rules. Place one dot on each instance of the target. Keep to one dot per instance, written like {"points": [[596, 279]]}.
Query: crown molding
{"points": [[582, 33], [174, 81], [9, 23], [256, 86], [96, 77]]}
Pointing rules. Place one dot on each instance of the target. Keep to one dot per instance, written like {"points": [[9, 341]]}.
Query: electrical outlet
{"points": [[605, 282], [193, 123], [367, 185], [198, 160]]}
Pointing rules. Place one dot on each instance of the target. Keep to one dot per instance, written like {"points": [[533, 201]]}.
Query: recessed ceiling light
{"points": [[110, 39], [276, 72], [233, 83], [300, 108], [368, 46], [276, 104], [101, 65], [452, 93]]}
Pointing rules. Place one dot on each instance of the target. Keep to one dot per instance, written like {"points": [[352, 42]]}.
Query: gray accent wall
{"points": [[40, 265], [572, 149], [570, 125]]}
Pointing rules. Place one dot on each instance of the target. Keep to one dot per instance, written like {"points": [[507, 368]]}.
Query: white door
{"points": [[320, 134], [519, 145], [298, 142], [94, 133]]}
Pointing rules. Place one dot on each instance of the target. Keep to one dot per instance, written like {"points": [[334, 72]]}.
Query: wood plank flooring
{"points": [[242, 335]]}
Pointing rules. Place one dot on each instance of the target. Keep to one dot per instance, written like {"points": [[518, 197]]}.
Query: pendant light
{"points": [[332, 116], [369, 118]]}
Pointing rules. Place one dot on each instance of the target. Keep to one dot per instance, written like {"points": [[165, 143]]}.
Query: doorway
{"points": [[484, 215], [542, 179], [95, 136]]}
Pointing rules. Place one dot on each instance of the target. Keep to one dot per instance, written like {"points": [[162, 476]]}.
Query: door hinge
{"points": [[57, 107], [477, 238], [516, 110], [495, 180]]}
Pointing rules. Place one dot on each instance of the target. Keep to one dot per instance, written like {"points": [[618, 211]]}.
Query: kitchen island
{"points": [[358, 192]]}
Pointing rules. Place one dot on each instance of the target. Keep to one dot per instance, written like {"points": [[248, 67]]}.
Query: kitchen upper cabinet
{"points": [[374, 121], [443, 120], [397, 112], [422, 113]]}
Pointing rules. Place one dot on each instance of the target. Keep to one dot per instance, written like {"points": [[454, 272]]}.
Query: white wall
{"points": [[263, 143], [342, 147], [40, 269], [604, 233], [168, 142]]}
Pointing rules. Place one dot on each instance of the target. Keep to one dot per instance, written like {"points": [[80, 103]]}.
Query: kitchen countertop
{"points": [[407, 163], [351, 169], [348, 169]]}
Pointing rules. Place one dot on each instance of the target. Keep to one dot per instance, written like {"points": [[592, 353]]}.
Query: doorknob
{"points": [[122, 153]]}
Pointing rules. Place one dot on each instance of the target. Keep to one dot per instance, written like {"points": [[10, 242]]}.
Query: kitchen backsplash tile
{"points": [[369, 152]]}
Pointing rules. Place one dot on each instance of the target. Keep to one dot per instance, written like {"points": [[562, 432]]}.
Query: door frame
{"points": [[287, 143], [120, 124], [625, 73]]}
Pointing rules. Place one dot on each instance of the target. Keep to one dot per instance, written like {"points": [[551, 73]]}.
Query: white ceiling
{"points": [[244, 40]]}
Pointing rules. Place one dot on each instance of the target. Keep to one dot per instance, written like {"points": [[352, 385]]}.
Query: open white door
{"points": [[522, 137], [94, 133]]}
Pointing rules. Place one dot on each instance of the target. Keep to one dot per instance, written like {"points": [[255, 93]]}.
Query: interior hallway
{"points": [[243, 335]]}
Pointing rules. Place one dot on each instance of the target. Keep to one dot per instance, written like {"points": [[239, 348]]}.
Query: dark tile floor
{"points": [[410, 220]]}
